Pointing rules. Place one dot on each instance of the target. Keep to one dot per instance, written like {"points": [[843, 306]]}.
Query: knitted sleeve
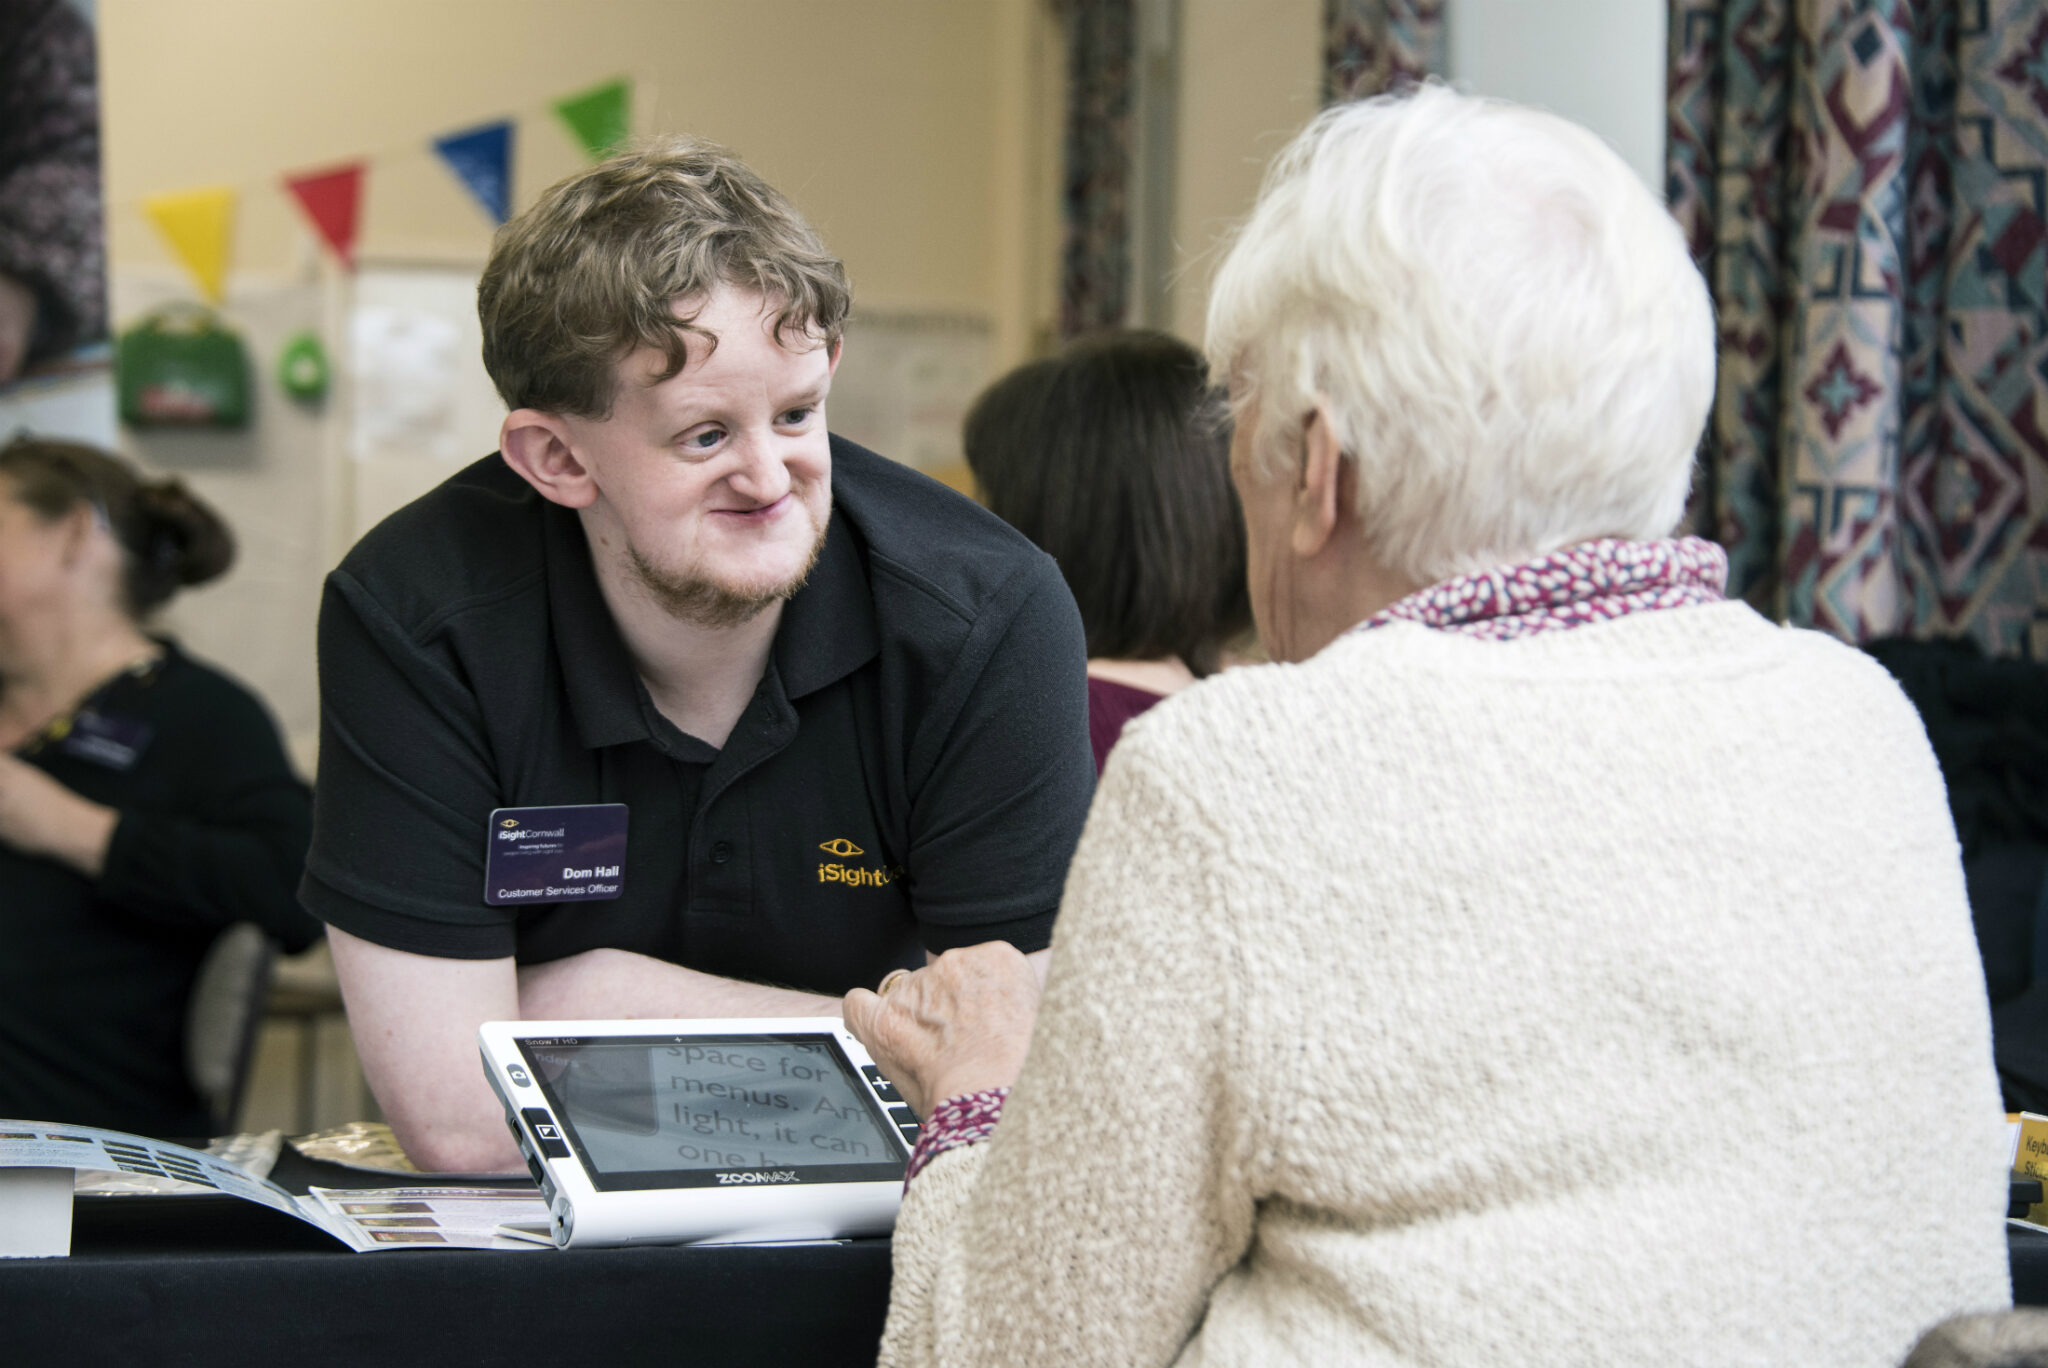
{"points": [[1119, 1186]]}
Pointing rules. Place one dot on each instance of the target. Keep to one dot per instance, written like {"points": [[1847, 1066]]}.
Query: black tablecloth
{"points": [[173, 1281], [2029, 1249]]}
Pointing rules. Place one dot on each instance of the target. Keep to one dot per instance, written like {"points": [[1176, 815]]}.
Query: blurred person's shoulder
{"points": [[182, 675], [188, 698]]}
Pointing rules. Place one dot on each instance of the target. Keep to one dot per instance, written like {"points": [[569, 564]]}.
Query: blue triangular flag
{"points": [[482, 156]]}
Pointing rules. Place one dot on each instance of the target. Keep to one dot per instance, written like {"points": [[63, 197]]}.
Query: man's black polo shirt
{"points": [[911, 774]]}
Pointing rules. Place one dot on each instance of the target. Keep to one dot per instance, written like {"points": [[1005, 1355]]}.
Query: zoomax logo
{"points": [[851, 875], [757, 1176]]}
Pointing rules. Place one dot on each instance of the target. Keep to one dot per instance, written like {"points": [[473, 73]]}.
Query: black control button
{"points": [[884, 1089], [903, 1116], [721, 851], [546, 1133], [910, 1134], [519, 1076]]}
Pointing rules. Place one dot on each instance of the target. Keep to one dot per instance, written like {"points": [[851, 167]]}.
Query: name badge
{"points": [[556, 854], [115, 742]]}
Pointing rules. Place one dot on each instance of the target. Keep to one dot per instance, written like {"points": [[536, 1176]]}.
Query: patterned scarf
{"points": [[1592, 582]]}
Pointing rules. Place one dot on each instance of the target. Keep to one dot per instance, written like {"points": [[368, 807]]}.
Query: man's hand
{"points": [[959, 1026], [17, 325], [39, 816]]}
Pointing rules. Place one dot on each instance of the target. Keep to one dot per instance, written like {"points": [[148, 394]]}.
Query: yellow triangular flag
{"points": [[196, 223]]}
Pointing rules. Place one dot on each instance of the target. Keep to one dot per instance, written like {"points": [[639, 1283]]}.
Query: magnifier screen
{"points": [[639, 1108]]}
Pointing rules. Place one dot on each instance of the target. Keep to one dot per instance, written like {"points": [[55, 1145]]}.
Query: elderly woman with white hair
{"points": [[1547, 960]]}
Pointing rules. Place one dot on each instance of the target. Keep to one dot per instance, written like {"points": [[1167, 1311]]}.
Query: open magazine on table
{"points": [[417, 1217]]}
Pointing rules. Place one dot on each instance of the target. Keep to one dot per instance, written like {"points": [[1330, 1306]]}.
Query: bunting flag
{"points": [[598, 116], [197, 224], [333, 200], [482, 157]]}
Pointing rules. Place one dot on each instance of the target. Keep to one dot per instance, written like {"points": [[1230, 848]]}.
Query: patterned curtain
{"points": [[1863, 184], [1095, 268], [1371, 46]]}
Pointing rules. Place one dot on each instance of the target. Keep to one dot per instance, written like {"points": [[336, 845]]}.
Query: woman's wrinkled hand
{"points": [[959, 1025]]}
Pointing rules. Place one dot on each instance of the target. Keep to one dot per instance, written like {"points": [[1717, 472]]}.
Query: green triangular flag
{"points": [[597, 116]]}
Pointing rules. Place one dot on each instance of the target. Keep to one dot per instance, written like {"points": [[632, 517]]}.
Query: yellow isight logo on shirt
{"points": [[847, 874]]}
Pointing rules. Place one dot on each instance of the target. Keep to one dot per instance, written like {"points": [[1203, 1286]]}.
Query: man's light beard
{"points": [[707, 603]]}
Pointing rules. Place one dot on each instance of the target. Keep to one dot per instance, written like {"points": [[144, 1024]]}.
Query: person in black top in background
{"points": [[145, 799]]}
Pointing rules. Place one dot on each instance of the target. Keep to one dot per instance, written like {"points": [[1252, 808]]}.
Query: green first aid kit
{"points": [[181, 366]]}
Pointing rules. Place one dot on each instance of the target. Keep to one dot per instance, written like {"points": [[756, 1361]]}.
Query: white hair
{"points": [[1504, 325]]}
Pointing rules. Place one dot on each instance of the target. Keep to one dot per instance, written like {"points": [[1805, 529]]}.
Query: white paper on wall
{"points": [[404, 364], [421, 405], [75, 403], [906, 381]]}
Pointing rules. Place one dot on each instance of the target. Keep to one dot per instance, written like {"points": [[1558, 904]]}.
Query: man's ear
{"points": [[537, 445], [838, 350], [1320, 492]]}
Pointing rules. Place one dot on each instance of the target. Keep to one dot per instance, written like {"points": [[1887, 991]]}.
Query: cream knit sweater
{"points": [[1602, 997]]}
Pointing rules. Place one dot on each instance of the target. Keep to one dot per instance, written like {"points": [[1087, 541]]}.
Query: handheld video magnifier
{"points": [[669, 1132]]}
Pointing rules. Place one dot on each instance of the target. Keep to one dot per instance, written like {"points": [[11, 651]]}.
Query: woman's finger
{"points": [[959, 1025], [890, 1032], [858, 1008]]}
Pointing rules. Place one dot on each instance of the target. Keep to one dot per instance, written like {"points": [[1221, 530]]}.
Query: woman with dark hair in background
{"points": [[1114, 458], [145, 799]]}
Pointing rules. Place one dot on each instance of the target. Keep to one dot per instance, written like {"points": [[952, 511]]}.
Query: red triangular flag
{"points": [[331, 199]]}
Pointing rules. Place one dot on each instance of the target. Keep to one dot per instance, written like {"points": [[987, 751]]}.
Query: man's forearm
{"points": [[622, 985], [414, 1019]]}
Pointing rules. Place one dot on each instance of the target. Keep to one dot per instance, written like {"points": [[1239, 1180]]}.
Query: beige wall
{"points": [[922, 136], [1251, 75], [904, 128]]}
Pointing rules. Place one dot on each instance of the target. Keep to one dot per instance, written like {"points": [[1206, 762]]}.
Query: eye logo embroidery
{"points": [[509, 822], [853, 876]]}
